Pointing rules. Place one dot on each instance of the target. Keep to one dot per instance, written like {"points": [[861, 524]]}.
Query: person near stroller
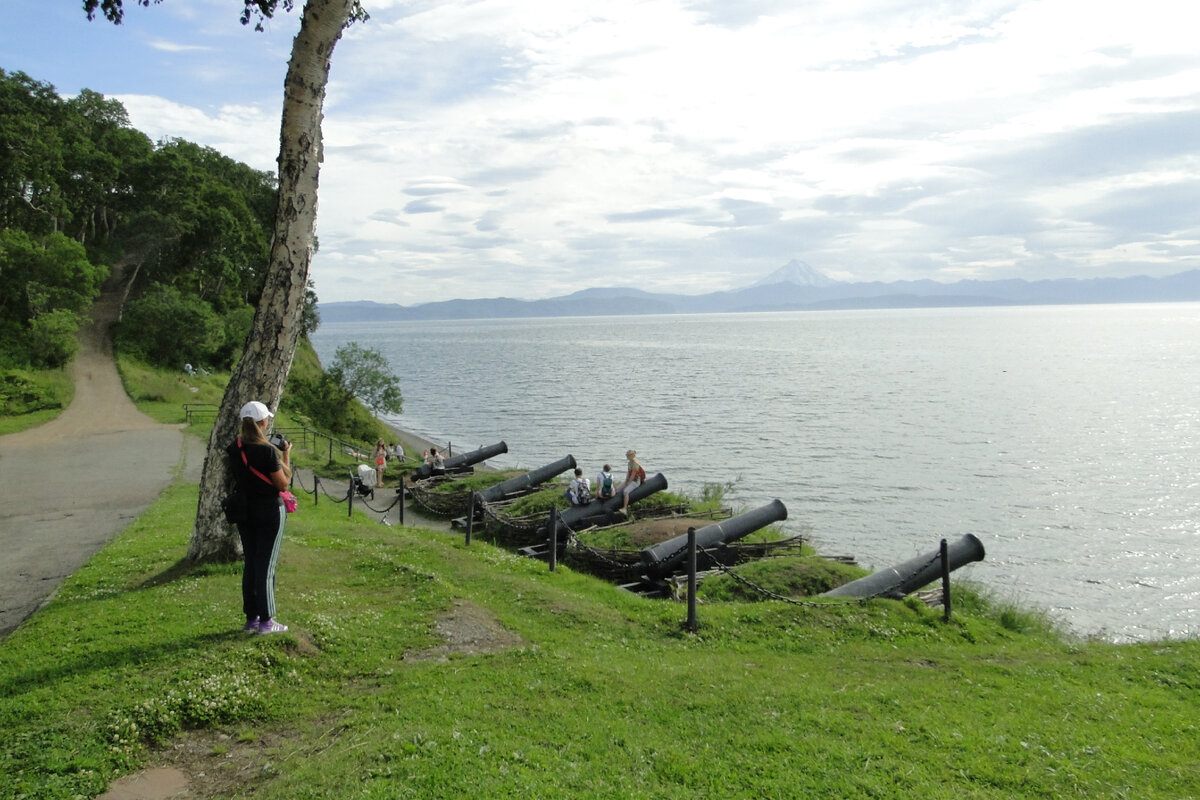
{"points": [[381, 457], [261, 471]]}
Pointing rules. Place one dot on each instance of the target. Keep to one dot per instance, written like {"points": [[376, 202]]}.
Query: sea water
{"points": [[1066, 438]]}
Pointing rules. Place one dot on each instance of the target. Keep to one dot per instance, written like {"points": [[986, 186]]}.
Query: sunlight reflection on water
{"points": [[1064, 437]]}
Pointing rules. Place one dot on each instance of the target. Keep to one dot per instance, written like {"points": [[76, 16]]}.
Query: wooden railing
{"points": [[298, 435]]}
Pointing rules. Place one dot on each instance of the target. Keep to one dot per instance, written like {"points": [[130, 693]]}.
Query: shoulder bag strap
{"points": [[247, 463]]}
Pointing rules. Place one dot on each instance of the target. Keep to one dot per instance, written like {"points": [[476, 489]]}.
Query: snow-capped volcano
{"points": [[797, 272]]}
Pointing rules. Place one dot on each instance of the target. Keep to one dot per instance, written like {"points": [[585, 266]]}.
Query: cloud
{"points": [[246, 133], [430, 187], [422, 207], [390, 216], [505, 147], [1149, 211], [175, 47], [649, 214]]}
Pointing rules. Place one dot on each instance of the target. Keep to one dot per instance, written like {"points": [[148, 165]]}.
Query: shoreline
{"points": [[414, 444]]}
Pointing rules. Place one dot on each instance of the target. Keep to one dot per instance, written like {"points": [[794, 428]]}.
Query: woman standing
{"points": [[381, 455], [262, 471], [635, 476]]}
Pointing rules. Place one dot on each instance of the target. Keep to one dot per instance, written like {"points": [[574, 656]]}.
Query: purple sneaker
{"points": [[251, 625], [270, 626]]}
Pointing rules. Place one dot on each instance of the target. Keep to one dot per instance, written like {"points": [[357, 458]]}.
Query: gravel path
{"points": [[71, 484]]}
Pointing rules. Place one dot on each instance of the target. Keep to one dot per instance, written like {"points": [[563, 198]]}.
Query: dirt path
{"points": [[70, 485]]}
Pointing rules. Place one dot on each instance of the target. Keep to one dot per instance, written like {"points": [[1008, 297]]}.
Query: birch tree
{"points": [[266, 360]]}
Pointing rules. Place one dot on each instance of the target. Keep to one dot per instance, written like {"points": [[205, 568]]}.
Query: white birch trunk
{"points": [[267, 359]]}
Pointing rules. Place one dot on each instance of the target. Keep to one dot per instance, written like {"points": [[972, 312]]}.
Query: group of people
{"points": [[263, 470], [579, 491], [381, 455]]}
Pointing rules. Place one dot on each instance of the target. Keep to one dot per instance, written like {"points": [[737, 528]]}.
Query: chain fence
{"points": [[713, 555]]}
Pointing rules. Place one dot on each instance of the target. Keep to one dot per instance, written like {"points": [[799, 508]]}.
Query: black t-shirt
{"points": [[264, 458]]}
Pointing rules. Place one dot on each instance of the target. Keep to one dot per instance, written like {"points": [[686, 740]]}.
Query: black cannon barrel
{"points": [[904, 578], [463, 460], [665, 556], [577, 517], [529, 479]]}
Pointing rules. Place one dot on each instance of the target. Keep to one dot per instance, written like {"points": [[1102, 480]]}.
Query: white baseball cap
{"points": [[255, 411]]}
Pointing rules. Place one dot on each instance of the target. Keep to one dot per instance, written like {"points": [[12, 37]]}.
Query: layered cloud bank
{"points": [[473, 148]]}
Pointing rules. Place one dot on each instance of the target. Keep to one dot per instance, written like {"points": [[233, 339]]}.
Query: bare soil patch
{"points": [[648, 532], [213, 763], [468, 630]]}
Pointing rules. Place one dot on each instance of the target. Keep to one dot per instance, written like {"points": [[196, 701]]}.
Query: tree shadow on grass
{"points": [[123, 653], [103, 660], [186, 567]]}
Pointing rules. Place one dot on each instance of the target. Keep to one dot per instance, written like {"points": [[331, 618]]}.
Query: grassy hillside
{"points": [[417, 666], [29, 397]]}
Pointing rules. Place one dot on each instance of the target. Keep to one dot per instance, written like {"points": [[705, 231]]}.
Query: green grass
{"points": [[161, 394], [598, 694], [784, 576], [29, 398], [22, 422], [476, 482]]}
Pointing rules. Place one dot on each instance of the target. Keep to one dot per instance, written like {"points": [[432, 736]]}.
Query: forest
{"points": [[85, 195]]}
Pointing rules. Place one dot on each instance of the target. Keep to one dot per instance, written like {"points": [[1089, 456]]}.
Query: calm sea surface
{"points": [[1066, 438]]}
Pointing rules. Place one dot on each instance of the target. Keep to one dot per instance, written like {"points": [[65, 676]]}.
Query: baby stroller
{"points": [[364, 482]]}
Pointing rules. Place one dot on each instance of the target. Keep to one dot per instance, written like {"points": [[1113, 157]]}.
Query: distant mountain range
{"points": [[794, 287]]}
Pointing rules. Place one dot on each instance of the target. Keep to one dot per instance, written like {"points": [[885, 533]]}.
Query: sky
{"points": [[529, 149]]}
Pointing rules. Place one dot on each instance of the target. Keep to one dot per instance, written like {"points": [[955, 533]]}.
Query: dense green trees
{"points": [[363, 373], [46, 283], [188, 227], [279, 319]]}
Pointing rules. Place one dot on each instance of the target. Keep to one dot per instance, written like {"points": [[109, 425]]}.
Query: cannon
{"points": [[665, 557], [577, 517], [527, 481], [464, 460], [904, 578]]}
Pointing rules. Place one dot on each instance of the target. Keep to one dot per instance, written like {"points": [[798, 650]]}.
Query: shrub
{"points": [[540, 502], [44, 285], [52, 342], [168, 329], [476, 482], [22, 392], [312, 394]]}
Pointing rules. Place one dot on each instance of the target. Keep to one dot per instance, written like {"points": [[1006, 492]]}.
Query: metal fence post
{"points": [[470, 516], [692, 624], [400, 497], [316, 489], [553, 538], [350, 499], [945, 552]]}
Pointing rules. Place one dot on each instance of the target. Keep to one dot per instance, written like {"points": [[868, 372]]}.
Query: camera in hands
{"points": [[278, 440]]}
